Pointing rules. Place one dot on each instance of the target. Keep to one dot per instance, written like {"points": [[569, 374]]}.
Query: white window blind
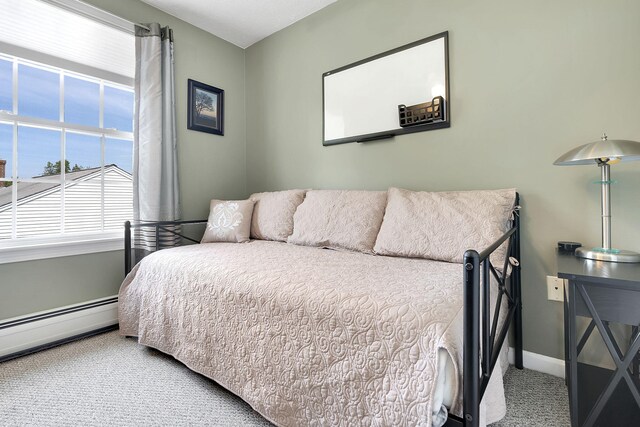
{"points": [[41, 32]]}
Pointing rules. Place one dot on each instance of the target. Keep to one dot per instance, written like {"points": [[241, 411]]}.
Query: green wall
{"points": [[529, 81], [210, 166], [29, 287]]}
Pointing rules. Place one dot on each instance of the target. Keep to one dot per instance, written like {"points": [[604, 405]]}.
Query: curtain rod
{"points": [[141, 26], [97, 14]]}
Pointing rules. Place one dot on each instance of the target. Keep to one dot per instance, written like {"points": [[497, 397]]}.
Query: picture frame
{"points": [[205, 108]]}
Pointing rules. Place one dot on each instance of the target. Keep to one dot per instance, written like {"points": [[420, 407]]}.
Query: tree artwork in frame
{"points": [[205, 109]]}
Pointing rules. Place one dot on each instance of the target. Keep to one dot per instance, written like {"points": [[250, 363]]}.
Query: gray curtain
{"points": [[155, 166]]}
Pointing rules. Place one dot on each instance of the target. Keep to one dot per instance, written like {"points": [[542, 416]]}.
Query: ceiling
{"points": [[241, 22]]}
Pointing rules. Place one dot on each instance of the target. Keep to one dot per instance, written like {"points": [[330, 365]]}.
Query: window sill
{"points": [[29, 250]]}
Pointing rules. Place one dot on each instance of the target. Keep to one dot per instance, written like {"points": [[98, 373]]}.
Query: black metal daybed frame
{"points": [[483, 338]]}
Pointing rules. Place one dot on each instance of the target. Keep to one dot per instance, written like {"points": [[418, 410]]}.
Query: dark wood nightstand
{"points": [[602, 343]]}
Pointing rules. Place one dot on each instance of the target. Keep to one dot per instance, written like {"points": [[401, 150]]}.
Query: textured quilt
{"points": [[306, 336]]}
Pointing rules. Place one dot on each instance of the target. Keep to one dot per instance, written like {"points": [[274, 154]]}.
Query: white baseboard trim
{"points": [[540, 363], [35, 333]]}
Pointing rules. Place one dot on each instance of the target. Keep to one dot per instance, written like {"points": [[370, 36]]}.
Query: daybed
{"points": [[376, 331]]}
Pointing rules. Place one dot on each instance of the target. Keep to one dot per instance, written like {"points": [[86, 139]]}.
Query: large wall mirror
{"points": [[364, 101]]}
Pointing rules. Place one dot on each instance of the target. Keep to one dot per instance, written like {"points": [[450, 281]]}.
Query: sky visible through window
{"points": [[5, 85], [39, 97], [81, 101]]}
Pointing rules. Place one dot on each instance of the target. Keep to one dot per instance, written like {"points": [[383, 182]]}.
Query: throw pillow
{"points": [[229, 221]]}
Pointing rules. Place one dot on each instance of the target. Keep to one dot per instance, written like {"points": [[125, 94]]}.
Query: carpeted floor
{"points": [[534, 400], [110, 380]]}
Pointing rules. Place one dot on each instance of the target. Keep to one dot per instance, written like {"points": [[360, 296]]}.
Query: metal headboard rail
{"points": [[157, 227], [482, 350]]}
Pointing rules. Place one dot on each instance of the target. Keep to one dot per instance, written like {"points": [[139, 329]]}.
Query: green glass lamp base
{"points": [[610, 255]]}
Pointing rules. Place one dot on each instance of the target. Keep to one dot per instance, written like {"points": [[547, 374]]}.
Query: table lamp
{"points": [[604, 153]]}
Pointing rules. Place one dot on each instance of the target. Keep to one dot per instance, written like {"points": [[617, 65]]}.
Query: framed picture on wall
{"points": [[205, 111]]}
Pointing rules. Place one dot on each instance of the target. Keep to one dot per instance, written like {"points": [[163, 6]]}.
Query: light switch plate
{"points": [[555, 288]]}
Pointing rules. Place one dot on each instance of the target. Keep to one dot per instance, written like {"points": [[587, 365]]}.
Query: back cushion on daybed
{"points": [[443, 225], [273, 214], [339, 219]]}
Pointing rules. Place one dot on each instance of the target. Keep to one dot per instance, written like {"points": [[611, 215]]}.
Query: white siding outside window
{"points": [[39, 212]]}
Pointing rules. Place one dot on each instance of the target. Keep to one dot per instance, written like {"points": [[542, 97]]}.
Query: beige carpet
{"points": [[109, 380]]}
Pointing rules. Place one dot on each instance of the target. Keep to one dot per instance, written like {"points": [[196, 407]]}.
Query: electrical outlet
{"points": [[555, 288]]}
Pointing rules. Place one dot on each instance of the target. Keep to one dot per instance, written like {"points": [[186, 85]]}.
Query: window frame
{"points": [[58, 244]]}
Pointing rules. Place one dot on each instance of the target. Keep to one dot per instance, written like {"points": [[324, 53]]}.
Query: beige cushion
{"points": [[442, 226], [272, 217], [339, 219], [229, 221]]}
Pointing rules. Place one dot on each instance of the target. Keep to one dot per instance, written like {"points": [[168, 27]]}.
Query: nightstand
{"points": [[602, 343]]}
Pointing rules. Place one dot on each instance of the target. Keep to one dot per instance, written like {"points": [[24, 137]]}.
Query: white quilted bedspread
{"points": [[306, 336]]}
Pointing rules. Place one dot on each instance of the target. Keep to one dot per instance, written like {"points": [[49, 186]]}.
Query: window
{"points": [[66, 128], [65, 154]]}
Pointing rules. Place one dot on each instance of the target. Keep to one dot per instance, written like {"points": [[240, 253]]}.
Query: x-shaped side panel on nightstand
{"points": [[622, 363]]}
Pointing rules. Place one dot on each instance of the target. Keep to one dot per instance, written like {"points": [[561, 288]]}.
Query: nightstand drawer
{"points": [[620, 306]]}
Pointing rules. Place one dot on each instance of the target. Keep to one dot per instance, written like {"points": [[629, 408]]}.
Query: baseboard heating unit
{"points": [[23, 335]]}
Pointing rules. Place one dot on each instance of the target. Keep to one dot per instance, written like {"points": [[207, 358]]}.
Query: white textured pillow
{"points": [[273, 214], [339, 219], [229, 221], [443, 225]]}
